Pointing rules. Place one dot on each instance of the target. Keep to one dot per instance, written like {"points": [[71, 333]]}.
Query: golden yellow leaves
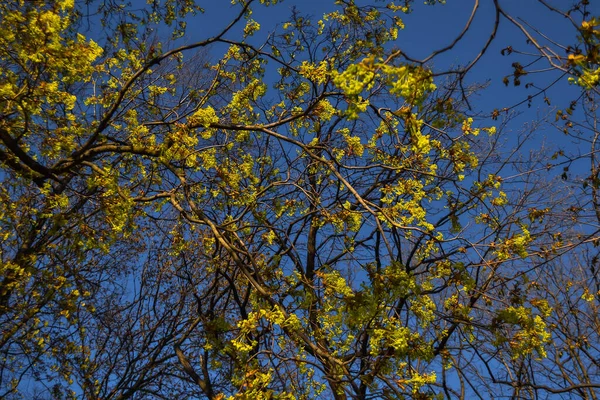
{"points": [[356, 78], [43, 58], [417, 380], [240, 109], [248, 326], [392, 6], [354, 144], [251, 28], [204, 117], [323, 111], [528, 332], [211, 155], [517, 244], [19, 276], [115, 201], [408, 82], [399, 337], [318, 73], [588, 79], [344, 219], [586, 67], [335, 285], [576, 59], [178, 145], [39, 37], [589, 296]]}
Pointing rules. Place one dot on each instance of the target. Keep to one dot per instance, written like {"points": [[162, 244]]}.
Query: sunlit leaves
{"points": [[586, 66], [529, 334], [309, 213]]}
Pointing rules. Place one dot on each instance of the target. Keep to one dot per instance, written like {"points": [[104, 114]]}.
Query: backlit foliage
{"points": [[297, 213]]}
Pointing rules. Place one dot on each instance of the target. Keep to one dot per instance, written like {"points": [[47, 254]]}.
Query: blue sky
{"points": [[433, 27], [429, 28]]}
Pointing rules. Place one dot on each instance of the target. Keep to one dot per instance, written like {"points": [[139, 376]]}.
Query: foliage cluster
{"points": [[291, 212]]}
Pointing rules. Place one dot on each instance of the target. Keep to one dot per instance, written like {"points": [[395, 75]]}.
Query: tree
{"points": [[314, 214]]}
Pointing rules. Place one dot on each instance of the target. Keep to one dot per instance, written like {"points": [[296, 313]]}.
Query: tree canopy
{"points": [[297, 210]]}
